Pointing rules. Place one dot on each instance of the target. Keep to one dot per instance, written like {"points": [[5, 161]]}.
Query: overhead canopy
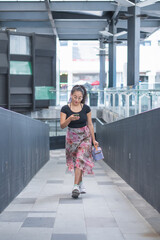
{"points": [[76, 20]]}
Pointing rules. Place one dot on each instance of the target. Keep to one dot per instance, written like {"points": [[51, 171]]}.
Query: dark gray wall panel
{"points": [[3, 36], [3, 52], [45, 64], [20, 81], [21, 98], [21, 91], [131, 148], [57, 142], [42, 103], [3, 46], [5, 159], [3, 70], [3, 89], [45, 42], [3, 60], [24, 148], [3, 42], [44, 53], [14, 57], [43, 71]]}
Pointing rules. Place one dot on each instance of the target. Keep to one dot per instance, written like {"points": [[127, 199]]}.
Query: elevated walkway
{"points": [[110, 210]]}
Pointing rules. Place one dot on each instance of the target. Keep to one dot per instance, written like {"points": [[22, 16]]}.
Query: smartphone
{"points": [[76, 114]]}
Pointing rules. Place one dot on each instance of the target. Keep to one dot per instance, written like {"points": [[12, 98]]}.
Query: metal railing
{"points": [[128, 102], [124, 102]]}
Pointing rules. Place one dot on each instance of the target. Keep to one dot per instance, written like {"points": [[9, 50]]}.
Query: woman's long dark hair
{"points": [[82, 89]]}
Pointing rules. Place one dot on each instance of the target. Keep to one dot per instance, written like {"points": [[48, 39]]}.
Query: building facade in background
{"points": [[79, 62]]}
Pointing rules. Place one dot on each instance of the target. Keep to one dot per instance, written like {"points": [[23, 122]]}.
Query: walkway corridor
{"points": [[44, 210]]}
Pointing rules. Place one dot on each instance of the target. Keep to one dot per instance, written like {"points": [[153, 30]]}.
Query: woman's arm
{"points": [[65, 122], [91, 128]]}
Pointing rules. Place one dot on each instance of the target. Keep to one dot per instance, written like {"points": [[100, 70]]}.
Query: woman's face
{"points": [[77, 97]]}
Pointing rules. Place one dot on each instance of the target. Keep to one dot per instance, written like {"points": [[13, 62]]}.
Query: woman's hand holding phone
{"points": [[74, 117]]}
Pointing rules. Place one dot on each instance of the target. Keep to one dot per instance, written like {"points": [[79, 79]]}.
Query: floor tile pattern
{"points": [[110, 210]]}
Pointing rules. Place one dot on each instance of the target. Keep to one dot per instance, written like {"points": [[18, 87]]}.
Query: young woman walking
{"points": [[80, 134]]}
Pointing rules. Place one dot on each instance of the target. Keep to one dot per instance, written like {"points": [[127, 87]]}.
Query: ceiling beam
{"points": [[21, 24], [51, 18], [24, 20], [69, 19], [153, 7], [154, 14], [23, 15], [39, 30], [78, 36], [22, 7], [81, 24], [66, 6], [59, 6], [74, 15], [59, 24], [150, 23], [44, 15], [116, 12], [148, 30], [83, 6], [78, 25], [77, 31]]}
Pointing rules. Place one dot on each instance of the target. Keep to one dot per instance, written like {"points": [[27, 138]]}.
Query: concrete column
{"points": [[102, 76], [133, 46], [112, 56]]}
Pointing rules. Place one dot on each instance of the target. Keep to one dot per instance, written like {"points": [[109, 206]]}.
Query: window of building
{"points": [[63, 43], [146, 43], [20, 45]]}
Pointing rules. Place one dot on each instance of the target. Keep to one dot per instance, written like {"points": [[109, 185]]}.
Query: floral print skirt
{"points": [[79, 149]]}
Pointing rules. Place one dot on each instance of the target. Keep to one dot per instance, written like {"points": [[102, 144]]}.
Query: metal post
{"points": [[32, 39], [133, 46], [127, 106], [8, 74], [102, 72], [112, 56]]}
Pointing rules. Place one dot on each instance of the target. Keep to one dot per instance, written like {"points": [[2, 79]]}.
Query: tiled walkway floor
{"points": [[110, 210]]}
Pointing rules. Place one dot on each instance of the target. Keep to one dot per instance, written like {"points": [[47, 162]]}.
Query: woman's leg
{"points": [[80, 179], [78, 176]]}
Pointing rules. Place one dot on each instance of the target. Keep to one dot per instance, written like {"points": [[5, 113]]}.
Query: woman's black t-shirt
{"points": [[83, 116]]}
